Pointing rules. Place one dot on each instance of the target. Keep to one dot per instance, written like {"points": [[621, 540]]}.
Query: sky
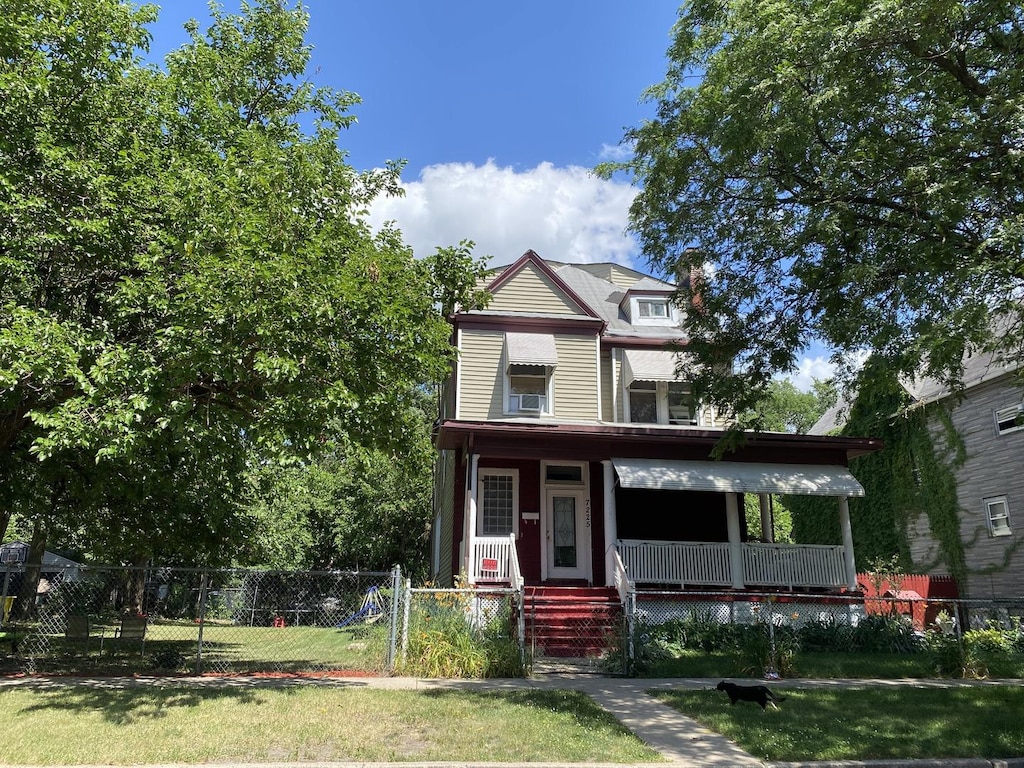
{"points": [[500, 111]]}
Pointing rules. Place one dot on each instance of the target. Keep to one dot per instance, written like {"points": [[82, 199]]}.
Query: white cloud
{"points": [[564, 214], [616, 152], [811, 368]]}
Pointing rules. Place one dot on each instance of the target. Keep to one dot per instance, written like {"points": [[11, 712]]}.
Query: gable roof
{"points": [[530, 258], [979, 368]]}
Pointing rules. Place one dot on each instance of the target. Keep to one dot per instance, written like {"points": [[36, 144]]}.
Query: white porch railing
{"points": [[707, 563], [516, 574], [675, 562], [489, 559], [794, 565]]}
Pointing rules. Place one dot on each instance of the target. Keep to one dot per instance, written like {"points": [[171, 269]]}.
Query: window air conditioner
{"points": [[531, 402]]}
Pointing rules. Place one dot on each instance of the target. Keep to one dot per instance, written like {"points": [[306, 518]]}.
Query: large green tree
{"points": [[851, 170], [187, 276]]}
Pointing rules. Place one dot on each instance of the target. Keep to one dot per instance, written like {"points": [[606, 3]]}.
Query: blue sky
{"points": [[500, 110]]}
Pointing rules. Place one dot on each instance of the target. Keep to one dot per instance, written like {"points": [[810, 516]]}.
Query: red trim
{"points": [[580, 326], [627, 342], [595, 442], [530, 257]]}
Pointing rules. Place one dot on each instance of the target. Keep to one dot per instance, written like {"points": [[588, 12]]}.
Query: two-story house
{"points": [[572, 452], [978, 432]]}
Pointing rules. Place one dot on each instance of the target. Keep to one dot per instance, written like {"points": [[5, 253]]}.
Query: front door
{"points": [[567, 535]]}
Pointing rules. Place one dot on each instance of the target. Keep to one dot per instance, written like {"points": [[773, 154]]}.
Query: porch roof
{"points": [[737, 477]]}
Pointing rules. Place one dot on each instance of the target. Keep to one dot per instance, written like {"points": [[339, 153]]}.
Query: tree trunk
{"points": [[25, 606]]}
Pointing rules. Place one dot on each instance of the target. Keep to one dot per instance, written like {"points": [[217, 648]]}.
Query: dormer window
{"points": [[652, 309]]}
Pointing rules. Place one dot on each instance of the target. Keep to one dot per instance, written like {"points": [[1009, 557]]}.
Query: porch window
{"points": [[998, 511], [498, 502]]}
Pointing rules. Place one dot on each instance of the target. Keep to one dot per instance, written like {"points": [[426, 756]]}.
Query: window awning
{"points": [[649, 365], [737, 477], [530, 349]]}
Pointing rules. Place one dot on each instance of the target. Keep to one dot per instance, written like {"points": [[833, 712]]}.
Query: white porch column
{"points": [[844, 526], [471, 494], [611, 529], [767, 530], [732, 518]]}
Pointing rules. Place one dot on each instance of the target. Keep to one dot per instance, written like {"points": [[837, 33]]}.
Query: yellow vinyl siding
{"points": [[576, 378], [624, 278], [530, 290], [481, 376], [607, 385]]}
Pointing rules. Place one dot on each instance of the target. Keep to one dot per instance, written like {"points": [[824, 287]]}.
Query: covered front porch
{"points": [[733, 563], [653, 496], [647, 507]]}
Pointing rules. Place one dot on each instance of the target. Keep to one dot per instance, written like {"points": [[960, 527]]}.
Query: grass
{"points": [[172, 645], [87, 725], [888, 666], [867, 723]]}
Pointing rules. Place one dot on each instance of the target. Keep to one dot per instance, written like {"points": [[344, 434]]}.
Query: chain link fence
{"points": [[92, 620], [462, 633], [965, 637]]}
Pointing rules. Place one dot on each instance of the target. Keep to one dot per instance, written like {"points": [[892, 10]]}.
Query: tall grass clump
{"points": [[456, 634]]}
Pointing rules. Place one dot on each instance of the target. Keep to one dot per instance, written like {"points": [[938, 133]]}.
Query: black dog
{"points": [[758, 693]]}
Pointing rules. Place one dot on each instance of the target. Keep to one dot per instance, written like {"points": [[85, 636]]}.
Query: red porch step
{"points": [[575, 622]]}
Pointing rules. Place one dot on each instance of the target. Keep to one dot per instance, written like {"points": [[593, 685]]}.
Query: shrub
{"points": [[767, 650], [447, 638], [823, 635], [886, 634]]}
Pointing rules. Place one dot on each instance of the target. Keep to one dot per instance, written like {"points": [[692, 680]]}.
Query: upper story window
{"points": [[651, 310], [1010, 419], [662, 402], [998, 512], [530, 360], [528, 387]]}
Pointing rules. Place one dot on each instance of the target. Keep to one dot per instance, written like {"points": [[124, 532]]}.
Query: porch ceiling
{"points": [[737, 477]]}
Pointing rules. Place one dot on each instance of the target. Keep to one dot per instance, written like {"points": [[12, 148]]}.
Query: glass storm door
{"points": [[568, 536]]}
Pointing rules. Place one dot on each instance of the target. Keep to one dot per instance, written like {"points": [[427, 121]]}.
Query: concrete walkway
{"points": [[683, 742]]}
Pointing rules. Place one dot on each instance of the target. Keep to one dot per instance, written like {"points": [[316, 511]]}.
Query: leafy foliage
{"points": [[844, 170], [911, 477], [188, 281]]}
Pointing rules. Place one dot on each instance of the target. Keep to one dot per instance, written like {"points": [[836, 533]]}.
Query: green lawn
{"points": [[861, 665], [173, 645], [866, 723], [80, 725]]}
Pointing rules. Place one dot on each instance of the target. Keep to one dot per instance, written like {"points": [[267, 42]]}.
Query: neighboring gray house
{"points": [[988, 415]]}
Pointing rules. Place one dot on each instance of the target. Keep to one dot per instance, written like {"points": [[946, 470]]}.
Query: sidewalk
{"points": [[682, 742]]}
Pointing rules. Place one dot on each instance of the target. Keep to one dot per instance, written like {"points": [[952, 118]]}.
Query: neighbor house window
{"points": [[528, 387], [998, 510], [662, 402], [1010, 419], [497, 502]]}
